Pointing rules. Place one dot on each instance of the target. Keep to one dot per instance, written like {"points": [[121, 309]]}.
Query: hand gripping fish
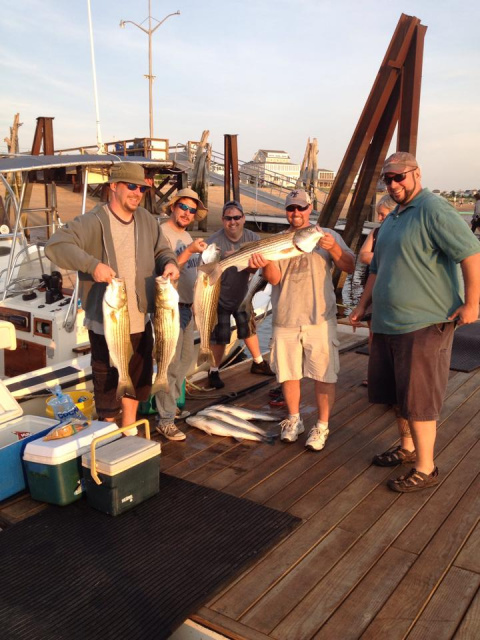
{"points": [[167, 329], [116, 324], [281, 246], [205, 303]]}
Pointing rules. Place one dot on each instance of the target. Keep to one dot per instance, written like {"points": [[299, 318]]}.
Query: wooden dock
{"points": [[366, 562]]}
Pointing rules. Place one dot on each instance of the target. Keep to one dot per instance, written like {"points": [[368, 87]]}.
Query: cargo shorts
{"points": [[105, 376], [309, 351]]}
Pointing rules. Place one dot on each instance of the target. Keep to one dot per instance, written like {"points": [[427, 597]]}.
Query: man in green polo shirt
{"points": [[424, 280]]}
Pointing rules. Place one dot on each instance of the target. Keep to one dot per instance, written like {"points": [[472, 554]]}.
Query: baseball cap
{"points": [[398, 162], [298, 196], [128, 172], [230, 204]]}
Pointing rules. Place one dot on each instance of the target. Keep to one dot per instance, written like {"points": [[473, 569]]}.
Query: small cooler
{"points": [[16, 431], [53, 467], [122, 474]]}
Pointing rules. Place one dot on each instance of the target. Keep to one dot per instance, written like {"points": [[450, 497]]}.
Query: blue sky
{"points": [[275, 72]]}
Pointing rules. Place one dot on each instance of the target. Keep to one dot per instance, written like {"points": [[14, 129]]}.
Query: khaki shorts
{"points": [[307, 352]]}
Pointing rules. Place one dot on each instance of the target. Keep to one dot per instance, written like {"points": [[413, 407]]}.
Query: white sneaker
{"points": [[317, 437], [170, 432], [291, 428], [131, 432]]}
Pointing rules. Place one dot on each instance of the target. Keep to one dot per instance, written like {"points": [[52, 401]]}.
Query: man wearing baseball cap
{"points": [[233, 290], [305, 343], [418, 298], [117, 240]]}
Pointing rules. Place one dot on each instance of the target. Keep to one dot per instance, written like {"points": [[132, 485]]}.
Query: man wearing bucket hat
{"points": [[417, 292], [305, 343], [233, 290], [118, 239], [182, 208]]}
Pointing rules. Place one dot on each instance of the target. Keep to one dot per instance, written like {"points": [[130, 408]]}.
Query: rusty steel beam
{"points": [[231, 188], [383, 86], [410, 96]]}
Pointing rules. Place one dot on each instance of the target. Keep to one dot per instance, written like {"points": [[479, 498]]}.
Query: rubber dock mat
{"points": [[76, 573], [465, 350]]}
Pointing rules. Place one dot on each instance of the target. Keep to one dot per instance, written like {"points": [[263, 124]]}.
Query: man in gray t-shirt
{"points": [[232, 292], [305, 343]]}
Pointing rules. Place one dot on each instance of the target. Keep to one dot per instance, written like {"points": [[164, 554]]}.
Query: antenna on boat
{"points": [[100, 144]]}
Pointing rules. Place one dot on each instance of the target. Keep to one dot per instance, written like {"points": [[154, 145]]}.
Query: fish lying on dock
{"points": [[215, 427], [257, 283], [243, 412], [205, 303], [230, 418], [116, 323], [280, 246], [167, 328]]}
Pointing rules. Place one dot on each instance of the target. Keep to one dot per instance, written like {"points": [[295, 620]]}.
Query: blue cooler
{"points": [[16, 431]]}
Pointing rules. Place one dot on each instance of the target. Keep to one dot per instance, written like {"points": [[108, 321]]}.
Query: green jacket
{"points": [[87, 240]]}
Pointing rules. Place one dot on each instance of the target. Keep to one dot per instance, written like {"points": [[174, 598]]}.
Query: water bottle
{"points": [[63, 407]]}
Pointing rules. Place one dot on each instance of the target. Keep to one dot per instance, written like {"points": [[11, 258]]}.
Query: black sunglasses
{"points": [[133, 187], [185, 207], [398, 177], [228, 218], [293, 207]]}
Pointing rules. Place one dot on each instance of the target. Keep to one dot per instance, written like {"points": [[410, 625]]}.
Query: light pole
{"points": [[149, 33]]}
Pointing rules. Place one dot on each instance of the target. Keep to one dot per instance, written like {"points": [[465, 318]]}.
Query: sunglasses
{"points": [[133, 187], [398, 177], [293, 207], [185, 207], [236, 218]]}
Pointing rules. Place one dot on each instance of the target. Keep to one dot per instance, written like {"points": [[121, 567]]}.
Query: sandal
{"points": [[394, 456], [414, 481]]}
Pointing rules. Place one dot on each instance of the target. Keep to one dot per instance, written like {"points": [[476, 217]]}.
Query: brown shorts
{"points": [[105, 377], [410, 370]]}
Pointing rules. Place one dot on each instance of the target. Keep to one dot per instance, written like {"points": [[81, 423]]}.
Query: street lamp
{"points": [[149, 33]]}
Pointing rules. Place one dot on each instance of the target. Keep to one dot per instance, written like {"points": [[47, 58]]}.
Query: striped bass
{"points": [[235, 420], [116, 324], [257, 283], [281, 246], [243, 412], [167, 329], [205, 302], [215, 427]]}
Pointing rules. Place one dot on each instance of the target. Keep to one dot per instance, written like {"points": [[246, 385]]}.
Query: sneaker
{"points": [[170, 432], [214, 380], [261, 368], [317, 438], [275, 392], [279, 401], [131, 432], [291, 428]]}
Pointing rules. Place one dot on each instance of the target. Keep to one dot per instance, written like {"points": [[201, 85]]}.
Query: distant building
{"points": [[271, 166], [325, 178]]}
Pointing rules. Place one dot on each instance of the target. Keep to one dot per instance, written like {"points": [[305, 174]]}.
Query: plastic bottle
{"points": [[181, 397], [63, 406]]}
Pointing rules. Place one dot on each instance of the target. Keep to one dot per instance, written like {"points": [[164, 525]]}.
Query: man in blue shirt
{"points": [[416, 288]]}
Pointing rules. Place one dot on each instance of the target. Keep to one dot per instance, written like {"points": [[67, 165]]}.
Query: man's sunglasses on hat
{"points": [[398, 177], [229, 218], [293, 207], [185, 207], [131, 186]]}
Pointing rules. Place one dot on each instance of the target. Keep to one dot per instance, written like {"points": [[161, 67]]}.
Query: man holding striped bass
{"points": [[117, 240], [304, 321]]}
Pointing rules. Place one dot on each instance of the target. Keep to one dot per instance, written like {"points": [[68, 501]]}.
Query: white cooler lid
{"points": [[122, 455], [9, 407], [64, 449]]}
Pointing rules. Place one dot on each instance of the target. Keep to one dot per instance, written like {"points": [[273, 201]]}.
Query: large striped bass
{"points": [[230, 418], [257, 283], [205, 303], [215, 427], [167, 329], [116, 324], [243, 412], [280, 246]]}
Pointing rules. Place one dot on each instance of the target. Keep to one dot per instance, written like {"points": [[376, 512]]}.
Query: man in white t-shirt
{"points": [[305, 343], [183, 208]]}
